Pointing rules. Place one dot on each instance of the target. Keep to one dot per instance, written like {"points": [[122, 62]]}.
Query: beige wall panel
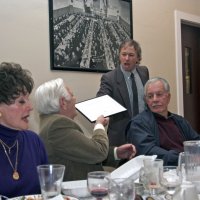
{"points": [[154, 28]]}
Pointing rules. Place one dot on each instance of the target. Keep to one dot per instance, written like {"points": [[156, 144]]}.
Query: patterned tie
{"points": [[135, 96]]}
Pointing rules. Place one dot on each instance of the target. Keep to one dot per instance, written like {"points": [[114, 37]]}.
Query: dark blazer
{"points": [[113, 84]]}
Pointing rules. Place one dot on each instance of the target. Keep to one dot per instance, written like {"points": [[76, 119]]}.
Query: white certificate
{"points": [[104, 105]]}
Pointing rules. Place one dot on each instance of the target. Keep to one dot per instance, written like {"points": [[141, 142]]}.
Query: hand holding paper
{"points": [[103, 105], [102, 120]]}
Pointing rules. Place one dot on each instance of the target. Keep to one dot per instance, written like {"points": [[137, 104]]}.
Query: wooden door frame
{"points": [[193, 20]]}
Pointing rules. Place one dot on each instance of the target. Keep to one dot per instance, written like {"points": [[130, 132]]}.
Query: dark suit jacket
{"points": [[113, 84]]}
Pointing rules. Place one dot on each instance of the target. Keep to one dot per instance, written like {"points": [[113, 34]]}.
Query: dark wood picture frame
{"points": [[85, 34]]}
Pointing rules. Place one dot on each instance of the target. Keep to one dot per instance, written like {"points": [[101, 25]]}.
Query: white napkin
{"points": [[131, 168]]}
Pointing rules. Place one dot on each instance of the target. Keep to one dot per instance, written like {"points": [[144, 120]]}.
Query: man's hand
{"points": [[126, 151], [102, 120]]}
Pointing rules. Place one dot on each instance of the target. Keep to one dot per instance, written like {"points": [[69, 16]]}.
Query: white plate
{"points": [[28, 197], [75, 188], [39, 197]]}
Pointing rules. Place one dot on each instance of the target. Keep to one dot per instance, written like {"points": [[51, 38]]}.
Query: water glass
{"points": [[192, 162], [151, 178], [186, 191], [50, 177], [121, 189], [139, 191], [181, 164], [170, 179], [2, 197]]}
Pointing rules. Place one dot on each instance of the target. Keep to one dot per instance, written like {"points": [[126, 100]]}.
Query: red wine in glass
{"points": [[99, 193], [97, 182]]}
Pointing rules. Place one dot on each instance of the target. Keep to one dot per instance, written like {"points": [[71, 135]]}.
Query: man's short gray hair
{"points": [[155, 79], [48, 94]]}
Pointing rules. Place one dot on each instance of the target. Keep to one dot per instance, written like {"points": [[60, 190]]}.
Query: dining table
{"points": [[78, 189]]}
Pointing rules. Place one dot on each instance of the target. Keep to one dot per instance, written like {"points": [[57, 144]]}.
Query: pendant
{"points": [[15, 175]]}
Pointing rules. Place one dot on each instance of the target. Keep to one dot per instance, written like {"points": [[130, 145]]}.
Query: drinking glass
{"points": [[139, 190], [170, 179], [50, 177], [181, 164], [151, 177], [192, 162], [121, 189], [2, 197], [98, 183]]}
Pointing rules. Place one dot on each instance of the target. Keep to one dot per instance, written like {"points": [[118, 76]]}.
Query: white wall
{"points": [[24, 38], [154, 27]]}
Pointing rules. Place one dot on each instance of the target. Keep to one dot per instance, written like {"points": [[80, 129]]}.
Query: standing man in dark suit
{"points": [[119, 84]]}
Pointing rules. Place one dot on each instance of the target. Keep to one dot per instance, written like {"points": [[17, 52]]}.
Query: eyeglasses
{"points": [[158, 95]]}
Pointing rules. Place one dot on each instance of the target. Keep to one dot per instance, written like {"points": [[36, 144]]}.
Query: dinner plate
{"points": [[76, 188], [39, 197]]}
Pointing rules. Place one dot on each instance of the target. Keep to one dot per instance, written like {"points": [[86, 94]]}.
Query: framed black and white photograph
{"points": [[85, 34]]}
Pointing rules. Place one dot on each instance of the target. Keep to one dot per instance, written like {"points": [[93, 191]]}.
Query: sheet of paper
{"points": [[104, 105]]}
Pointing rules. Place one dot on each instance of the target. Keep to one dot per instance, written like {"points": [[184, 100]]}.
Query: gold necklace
{"points": [[15, 172], [9, 148]]}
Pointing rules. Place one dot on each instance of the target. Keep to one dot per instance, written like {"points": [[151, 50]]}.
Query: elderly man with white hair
{"points": [[64, 139], [157, 131]]}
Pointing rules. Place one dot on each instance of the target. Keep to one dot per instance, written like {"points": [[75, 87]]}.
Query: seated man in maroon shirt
{"points": [[156, 131]]}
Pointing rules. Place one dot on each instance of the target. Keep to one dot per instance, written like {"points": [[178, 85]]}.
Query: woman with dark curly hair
{"points": [[21, 150]]}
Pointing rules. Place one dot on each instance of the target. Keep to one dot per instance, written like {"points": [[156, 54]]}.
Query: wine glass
{"points": [[98, 183], [170, 179]]}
